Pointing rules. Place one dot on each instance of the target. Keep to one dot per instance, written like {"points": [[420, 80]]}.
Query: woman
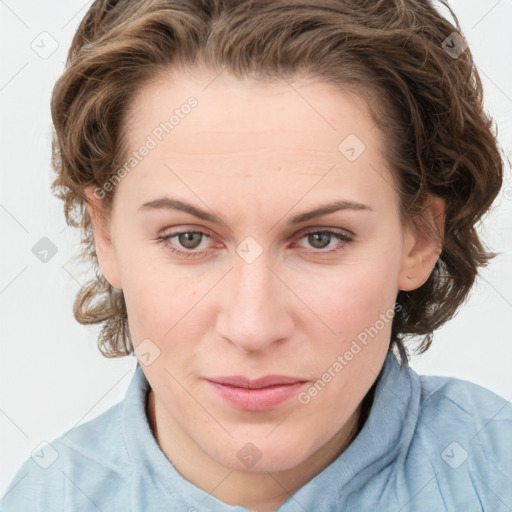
{"points": [[277, 195]]}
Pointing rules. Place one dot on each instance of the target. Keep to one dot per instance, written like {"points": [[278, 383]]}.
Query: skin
{"points": [[257, 154]]}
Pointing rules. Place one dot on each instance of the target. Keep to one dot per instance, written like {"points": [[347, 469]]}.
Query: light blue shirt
{"points": [[430, 444]]}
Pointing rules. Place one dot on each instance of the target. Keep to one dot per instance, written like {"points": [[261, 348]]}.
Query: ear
{"points": [[105, 249], [421, 251]]}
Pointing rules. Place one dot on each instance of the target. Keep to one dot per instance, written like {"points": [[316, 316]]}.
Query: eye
{"points": [[189, 240], [320, 240]]}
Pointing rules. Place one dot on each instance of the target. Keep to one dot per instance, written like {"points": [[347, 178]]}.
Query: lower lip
{"points": [[263, 399]]}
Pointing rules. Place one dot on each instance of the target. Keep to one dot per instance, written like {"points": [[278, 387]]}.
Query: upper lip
{"points": [[262, 382]]}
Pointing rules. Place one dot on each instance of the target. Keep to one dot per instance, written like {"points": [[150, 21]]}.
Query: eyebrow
{"points": [[175, 204]]}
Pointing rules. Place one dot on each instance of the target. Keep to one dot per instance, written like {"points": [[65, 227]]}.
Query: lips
{"points": [[240, 381], [257, 395]]}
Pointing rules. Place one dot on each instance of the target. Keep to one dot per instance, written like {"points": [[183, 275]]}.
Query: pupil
{"points": [[316, 237], [186, 239]]}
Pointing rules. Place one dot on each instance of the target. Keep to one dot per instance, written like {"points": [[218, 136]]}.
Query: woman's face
{"points": [[257, 285]]}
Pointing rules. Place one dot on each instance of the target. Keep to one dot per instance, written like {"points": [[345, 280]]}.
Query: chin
{"points": [[262, 455]]}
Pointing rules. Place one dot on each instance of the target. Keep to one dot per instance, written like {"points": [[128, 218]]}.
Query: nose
{"points": [[255, 309]]}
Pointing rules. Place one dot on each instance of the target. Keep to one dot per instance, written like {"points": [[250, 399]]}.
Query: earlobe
{"points": [[422, 247], [105, 250]]}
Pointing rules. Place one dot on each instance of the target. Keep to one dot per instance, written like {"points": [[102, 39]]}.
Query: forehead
{"points": [[283, 134], [299, 112]]}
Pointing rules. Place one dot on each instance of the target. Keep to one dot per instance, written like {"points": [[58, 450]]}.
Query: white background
{"points": [[52, 377]]}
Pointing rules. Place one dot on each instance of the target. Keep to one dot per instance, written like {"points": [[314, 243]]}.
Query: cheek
{"points": [[351, 298], [151, 297], [363, 301], [163, 303], [359, 309]]}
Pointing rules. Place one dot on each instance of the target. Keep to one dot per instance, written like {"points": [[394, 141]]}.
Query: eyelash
{"points": [[165, 240]]}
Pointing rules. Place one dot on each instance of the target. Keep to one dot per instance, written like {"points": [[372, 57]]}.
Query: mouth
{"points": [[240, 381], [263, 394]]}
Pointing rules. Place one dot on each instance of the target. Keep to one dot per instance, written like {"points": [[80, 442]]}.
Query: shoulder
{"points": [[464, 434], [450, 402], [81, 462]]}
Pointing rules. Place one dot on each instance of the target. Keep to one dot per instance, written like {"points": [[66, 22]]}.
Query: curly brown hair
{"points": [[426, 100]]}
